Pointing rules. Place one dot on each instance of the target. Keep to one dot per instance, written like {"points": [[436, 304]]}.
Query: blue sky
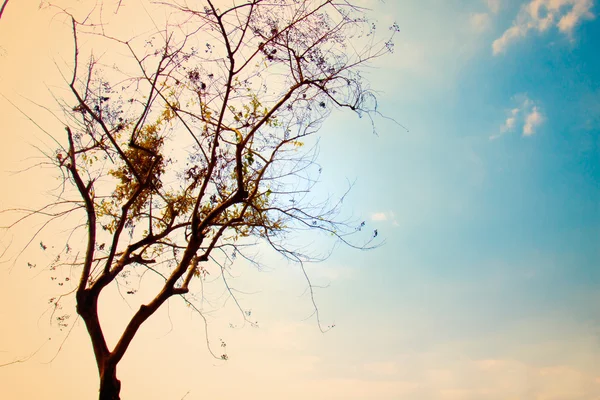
{"points": [[490, 205], [488, 284]]}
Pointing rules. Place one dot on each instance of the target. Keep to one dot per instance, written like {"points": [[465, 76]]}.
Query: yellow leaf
{"points": [[238, 135]]}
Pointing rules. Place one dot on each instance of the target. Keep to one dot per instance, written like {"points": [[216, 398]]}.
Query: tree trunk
{"points": [[87, 307], [110, 386]]}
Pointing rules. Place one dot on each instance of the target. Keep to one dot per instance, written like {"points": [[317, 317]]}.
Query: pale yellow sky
{"points": [[169, 357]]}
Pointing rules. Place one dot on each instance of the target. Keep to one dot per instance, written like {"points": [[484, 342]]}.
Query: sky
{"points": [[487, 285]]}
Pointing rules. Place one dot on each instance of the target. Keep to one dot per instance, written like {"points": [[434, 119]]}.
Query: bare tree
{"points": [[188, 147]]}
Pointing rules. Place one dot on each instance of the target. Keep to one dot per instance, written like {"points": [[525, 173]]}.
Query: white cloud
{"points": [[509, 124], [385, 216], [526, 115], [511, 120], [493, 5], [454, 376], [379, 216], [532, 121], [480, 22], [540, 15], [512, 33]]}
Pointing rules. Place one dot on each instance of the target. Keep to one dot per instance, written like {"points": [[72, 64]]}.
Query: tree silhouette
{"points": [[189, 147]]}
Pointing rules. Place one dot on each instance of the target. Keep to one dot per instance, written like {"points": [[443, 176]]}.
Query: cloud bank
{"points": [[541, 15]]}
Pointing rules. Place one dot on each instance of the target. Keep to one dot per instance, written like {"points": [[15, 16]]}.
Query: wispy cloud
{"points": [[493, 5], [384, 216], [532, 121], [379, 216], [480, 22], [526, 115], [541, 15], [511, 120], [455, 377]]}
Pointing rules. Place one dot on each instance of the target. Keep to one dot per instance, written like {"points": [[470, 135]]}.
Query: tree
{"points": [[184, 146]]}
